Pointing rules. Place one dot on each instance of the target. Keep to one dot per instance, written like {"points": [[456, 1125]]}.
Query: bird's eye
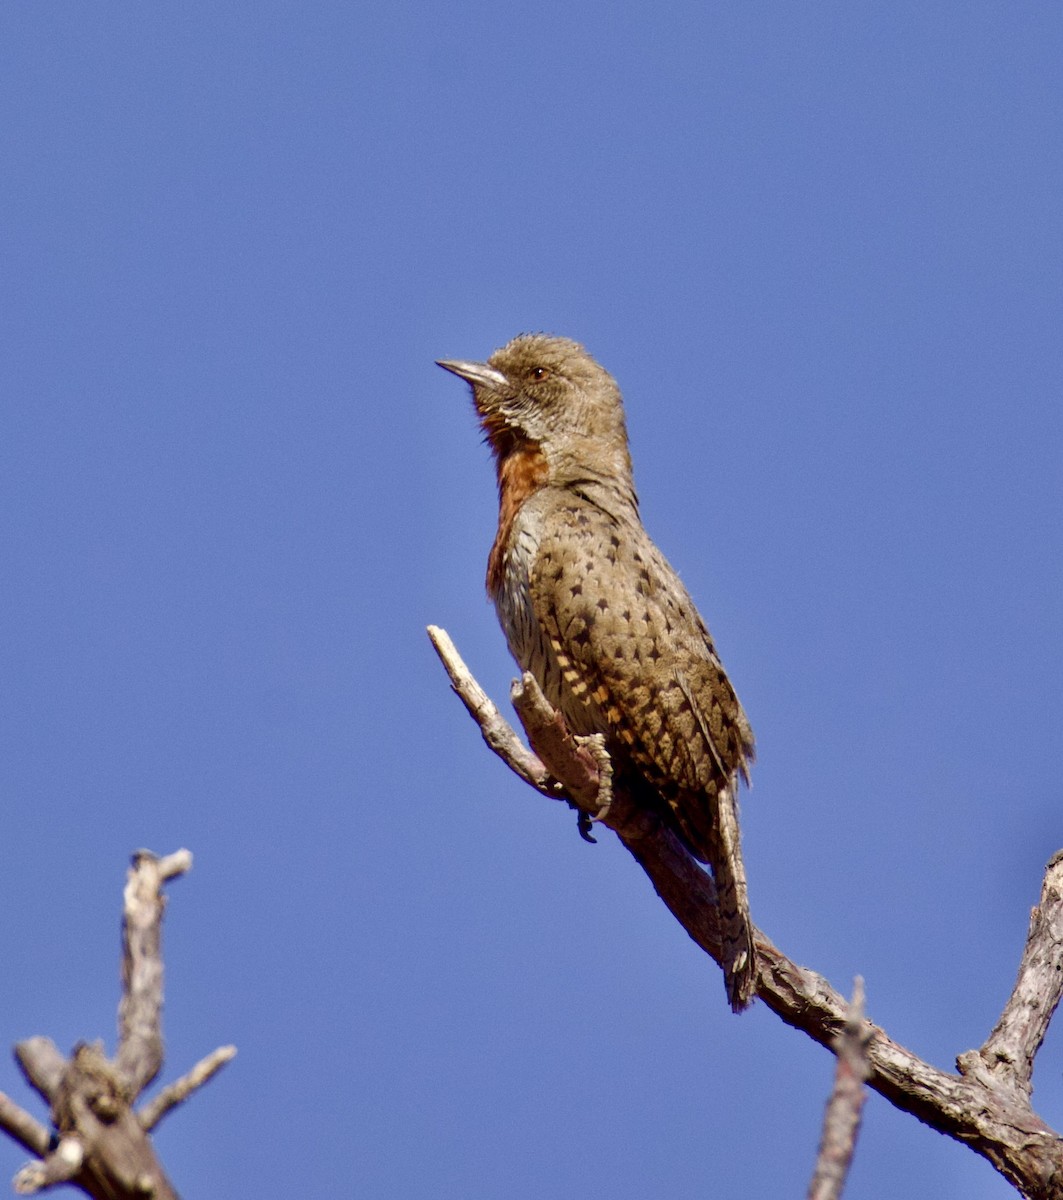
{"points": [[538, 372]]}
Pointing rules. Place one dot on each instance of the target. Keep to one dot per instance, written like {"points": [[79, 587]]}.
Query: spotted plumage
{"points": [[591, 607]]}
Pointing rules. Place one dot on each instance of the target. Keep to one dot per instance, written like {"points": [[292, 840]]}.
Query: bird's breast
{"points": [[509, 582], [521, 473], [520, 621]]}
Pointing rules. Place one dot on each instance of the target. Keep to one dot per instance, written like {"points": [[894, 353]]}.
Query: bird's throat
{"points": [[521, 473]]}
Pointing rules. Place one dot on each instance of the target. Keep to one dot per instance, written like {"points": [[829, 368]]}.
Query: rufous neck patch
{"points": [[521, 473]]}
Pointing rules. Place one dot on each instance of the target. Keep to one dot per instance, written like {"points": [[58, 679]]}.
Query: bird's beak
{"points": [[474, 372]]}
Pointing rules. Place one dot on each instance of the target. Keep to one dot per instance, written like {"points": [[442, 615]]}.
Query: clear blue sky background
{"points": [[819, 244]]}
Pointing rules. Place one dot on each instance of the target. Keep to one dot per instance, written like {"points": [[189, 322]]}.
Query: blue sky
{"points": [[819, 245]]}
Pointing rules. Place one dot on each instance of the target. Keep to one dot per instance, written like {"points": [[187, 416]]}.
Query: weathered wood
{"points": [[99, 1143], [985, 1106]]}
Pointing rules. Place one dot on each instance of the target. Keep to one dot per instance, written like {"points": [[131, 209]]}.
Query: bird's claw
{"points": [[584, 823]]}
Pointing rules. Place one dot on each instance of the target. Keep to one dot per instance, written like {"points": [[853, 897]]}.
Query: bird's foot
{"points": [[595, 746], [584, 823]]}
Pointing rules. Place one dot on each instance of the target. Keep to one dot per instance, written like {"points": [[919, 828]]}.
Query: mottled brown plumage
{"points": [[591, 607]]}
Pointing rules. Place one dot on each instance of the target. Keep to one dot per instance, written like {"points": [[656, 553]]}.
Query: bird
{"points": [[593, 610]]}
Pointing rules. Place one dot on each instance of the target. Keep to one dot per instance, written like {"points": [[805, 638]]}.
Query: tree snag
{"points": [[98, 1142], [986, 1105]]}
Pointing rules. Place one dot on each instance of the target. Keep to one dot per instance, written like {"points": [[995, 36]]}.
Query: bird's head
{"points": [[548, 394]]}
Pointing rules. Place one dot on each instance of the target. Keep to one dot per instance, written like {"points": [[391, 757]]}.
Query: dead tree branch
{"points": [[841, 1122], [986, 1105], [98, 1142], [177, 1093]]}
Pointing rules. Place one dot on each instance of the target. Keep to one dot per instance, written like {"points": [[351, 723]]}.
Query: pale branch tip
{"points": [[495, 729], [987, 1109], [178, 863], [178, 1092], [841, 1121]]}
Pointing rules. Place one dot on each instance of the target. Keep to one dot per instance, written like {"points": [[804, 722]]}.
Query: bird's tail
{"points": [[736, 926]]}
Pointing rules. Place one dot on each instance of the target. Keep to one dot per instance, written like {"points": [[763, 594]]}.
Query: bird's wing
{"points": [[631, 644], [633, 650]]}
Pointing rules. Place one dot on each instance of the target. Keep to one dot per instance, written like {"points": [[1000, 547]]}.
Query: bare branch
{"points": [[99, 1144], [578, 770], [61, 1166], [140, 1047], [580, 765], [42, 1066], [170, 866], [26, 1130], [996, 1121], [177, 1093], [496, 730], [841, 1122], [997, 1124], [1008, 1054]]}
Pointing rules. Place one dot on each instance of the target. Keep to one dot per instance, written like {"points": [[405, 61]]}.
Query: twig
{"points": [[497, 731], [26, 1130], [178, 1092], [841, 1122]]}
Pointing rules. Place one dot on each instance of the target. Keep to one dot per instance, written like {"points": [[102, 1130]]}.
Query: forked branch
{"points": [[986, 1105], [97, 1141]]}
